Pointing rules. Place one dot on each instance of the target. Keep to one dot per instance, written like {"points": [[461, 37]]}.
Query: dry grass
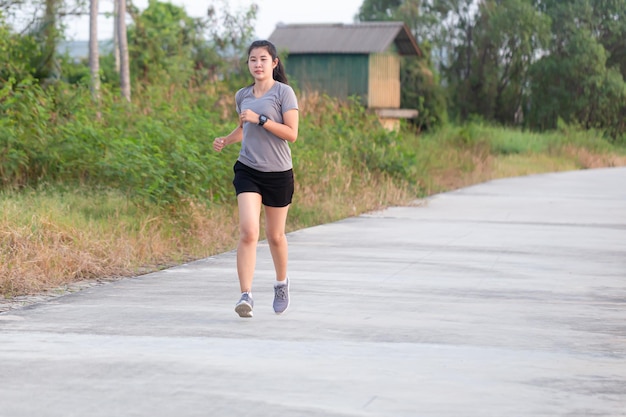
{"points": [[587, 159], [334, 190], [43, 246], [481, 167], [474, 169]]}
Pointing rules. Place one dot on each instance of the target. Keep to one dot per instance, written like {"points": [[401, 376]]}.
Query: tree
{"points": [[421, 90], [123, 46], [489, 68], [161, 42], [609, 27], [46, 27], [50, 35], [517, 32], [372, 10], [165, 43], [94, 56], [231, 33], [116, 35], [579, 80], [19, 52]]}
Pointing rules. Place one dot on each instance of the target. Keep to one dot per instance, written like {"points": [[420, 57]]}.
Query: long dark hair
{"points": [[279, 72]]}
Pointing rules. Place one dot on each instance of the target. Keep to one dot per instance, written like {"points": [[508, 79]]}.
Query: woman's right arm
{"points": [[233, 137]]}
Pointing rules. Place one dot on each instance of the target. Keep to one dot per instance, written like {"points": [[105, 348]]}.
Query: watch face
{"points": [[262, 120]]}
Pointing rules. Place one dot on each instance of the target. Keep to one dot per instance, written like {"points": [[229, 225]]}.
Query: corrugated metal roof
{"points": [[358, 38]]}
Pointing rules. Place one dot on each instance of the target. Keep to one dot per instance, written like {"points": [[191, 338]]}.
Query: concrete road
{"points": [[502, 299]]}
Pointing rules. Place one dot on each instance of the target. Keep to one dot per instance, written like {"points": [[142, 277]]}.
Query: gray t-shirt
{"points": [[261, 149]]}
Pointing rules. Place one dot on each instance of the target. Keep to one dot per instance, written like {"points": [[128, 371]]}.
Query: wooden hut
{"points": [[344, 60]]}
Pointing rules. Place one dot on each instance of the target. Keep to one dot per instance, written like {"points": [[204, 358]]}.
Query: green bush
{"points": [[55, 135]]}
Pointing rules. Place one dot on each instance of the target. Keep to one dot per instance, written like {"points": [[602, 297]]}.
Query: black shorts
{"points": [[276, 188]]}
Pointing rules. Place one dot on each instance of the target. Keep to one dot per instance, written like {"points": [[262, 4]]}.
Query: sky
{"points": [[270, 13]]}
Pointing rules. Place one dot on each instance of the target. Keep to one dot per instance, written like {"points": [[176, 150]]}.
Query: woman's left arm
{"points": [[288, 130]]}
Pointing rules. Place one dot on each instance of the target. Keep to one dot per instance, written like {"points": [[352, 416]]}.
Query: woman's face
{"points": [[261, 64]]}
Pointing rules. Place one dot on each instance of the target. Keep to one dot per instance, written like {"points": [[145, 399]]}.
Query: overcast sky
{"points": [[270, 13]]}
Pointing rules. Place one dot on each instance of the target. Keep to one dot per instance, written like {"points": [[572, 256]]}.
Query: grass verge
{"points": [[53, 236]]}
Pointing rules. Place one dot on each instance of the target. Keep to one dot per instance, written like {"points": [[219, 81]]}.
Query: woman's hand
{"points": [[248, 116], [219, 144], [233, 137]]}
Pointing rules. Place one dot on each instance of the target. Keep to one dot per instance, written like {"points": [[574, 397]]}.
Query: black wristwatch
{"points": [[262, 119]]}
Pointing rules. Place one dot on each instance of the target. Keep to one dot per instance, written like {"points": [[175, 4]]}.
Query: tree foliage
{"points": [[20, 54], [489, 65], [161, 41], [534, 62], [372, 10], [580, 78], [529, 63]]}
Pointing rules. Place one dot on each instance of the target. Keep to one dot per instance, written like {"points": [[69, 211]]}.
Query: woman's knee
{"points": [[249, 235], [276, 239]]}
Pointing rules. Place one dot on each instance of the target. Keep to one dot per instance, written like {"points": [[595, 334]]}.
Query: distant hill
{"points": [[80, 49]]}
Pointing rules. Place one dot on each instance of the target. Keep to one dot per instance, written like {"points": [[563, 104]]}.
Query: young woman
{"points": [[268, 122]]}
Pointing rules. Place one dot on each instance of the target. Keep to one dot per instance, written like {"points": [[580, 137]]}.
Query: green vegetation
{"points": [[140, 188], [524, 63], [100, 188]]}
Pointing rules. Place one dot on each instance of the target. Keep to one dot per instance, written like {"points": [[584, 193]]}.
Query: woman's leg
{"points": [[275, 221], [249, 214]]}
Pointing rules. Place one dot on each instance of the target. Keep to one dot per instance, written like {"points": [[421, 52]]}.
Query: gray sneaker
{"points": [[244, 305], [281, 297]]}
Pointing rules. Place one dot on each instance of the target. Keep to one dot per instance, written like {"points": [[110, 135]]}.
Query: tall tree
{"points": [[609, 26], [49, 69], [116, 35], [161, 42], [123, 46], [489, 69], [575, 80], [94, 54], [517, 32]]}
